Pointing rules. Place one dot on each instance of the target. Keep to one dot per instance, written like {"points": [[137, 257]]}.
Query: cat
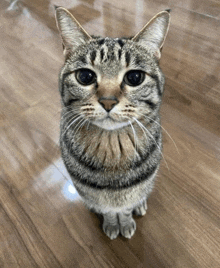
{"points": [[111, 91]]}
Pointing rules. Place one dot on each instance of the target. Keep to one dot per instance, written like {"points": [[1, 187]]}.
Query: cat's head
{"points": [[111, 81]]}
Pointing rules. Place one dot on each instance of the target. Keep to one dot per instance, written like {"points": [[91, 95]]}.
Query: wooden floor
{"points": [[43, 222]]}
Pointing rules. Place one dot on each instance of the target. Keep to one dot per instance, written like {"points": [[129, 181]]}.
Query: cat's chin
{"points": [[109, 124]]}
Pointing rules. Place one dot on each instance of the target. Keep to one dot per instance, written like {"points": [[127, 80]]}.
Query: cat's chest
{"points": [[111, 149]]}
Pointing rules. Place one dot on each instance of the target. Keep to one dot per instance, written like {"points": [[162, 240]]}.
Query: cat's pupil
{"points": [[134, 78], [85, 76]]}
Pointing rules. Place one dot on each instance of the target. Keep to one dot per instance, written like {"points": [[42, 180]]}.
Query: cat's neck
{"points": [[110, 148]]}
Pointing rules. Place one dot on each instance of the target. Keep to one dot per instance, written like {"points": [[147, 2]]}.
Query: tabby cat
{"points": [[111, 91]]}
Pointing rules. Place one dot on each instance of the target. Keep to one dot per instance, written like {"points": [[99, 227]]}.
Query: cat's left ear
{"points": [[72, 33], [154, 33]]}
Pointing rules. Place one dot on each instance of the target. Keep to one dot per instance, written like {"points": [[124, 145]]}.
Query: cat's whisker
{"points": [[77, 128], [165, 131], [71, 109], [71, 118], [152, 137], [70, 114], [72, 122], [80, 125], [135, 137], [77, 125], [74, 131], [88, 121], [67, 113], [143, 131]]}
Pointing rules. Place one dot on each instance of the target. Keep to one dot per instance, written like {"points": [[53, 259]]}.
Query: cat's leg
{"points": [[127, 223], [140, 210], [110, 225]]}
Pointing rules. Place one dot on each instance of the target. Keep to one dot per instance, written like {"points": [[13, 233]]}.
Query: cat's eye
{"points": [[85, 77], [134, 78]]}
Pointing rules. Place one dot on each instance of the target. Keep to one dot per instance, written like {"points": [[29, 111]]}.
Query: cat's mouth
{"points": [[109, 123]]}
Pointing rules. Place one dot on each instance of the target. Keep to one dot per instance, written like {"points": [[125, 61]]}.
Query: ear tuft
{"points": [[153, 34], [72, 33], [55, 6], [168, 10]]}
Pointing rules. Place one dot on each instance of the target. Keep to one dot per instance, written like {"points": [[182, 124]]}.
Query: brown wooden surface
{"points": [[41, 223]]}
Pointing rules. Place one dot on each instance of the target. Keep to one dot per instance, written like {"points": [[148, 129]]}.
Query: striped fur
{"points": [[112, 156]]}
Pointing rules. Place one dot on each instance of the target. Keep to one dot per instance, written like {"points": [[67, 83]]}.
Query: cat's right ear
{"points": [[72, 33]]}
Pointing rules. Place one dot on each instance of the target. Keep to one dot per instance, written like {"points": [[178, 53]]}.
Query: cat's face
{"points": [[111, 82]]}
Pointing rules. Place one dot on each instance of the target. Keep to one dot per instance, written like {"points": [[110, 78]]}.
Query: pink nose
{"points": [[108, 102]]}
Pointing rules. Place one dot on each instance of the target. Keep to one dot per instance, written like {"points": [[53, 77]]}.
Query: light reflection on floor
{"points": [[69, 191]]}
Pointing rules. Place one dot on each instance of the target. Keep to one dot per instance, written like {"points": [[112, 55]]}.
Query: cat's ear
{"points": [[72, 33], [153, 34]]}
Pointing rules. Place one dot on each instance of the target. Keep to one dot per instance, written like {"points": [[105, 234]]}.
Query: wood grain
{"points": [[43, 222]]}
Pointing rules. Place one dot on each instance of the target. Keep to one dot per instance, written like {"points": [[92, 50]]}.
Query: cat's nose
{"points": [[108, 102]]}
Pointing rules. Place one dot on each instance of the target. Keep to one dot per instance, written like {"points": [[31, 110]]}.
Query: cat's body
{"points": [[110, 138]]}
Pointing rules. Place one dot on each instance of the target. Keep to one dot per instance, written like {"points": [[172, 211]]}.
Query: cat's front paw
{"points": [[141, 209], [112, 231], [128, 230]]}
